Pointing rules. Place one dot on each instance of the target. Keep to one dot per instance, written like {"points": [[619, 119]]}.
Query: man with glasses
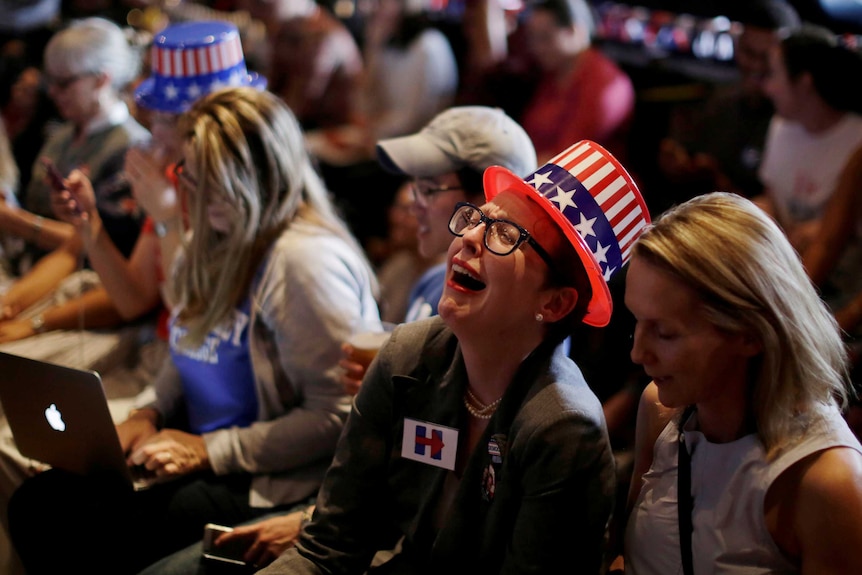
{"points": [[446, 160]]}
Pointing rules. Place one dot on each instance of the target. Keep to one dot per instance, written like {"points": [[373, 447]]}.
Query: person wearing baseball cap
{"points": [[446, 160]]}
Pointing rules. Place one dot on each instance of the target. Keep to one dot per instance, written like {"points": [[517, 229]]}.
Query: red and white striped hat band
{"points": [[596, 204], [191, 59], [182, 62]]}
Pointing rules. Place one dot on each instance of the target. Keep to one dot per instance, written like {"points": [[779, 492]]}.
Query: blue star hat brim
{"points": [[175, 96]]}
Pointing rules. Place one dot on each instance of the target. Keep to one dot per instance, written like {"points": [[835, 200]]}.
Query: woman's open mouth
{"points": [[464, 278]]}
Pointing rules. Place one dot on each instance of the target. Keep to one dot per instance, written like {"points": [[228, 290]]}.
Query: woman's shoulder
{"points": [[305, 265], [834, 476], [305, 245], [427, 342], [560, 391], [562, 423], [820, 501], [124, 134], [427, 335], [833, 472], [826, 431], [60, 136]]}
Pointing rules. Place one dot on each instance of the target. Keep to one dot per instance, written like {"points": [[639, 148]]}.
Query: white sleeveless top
{"points": [[729, 482]]}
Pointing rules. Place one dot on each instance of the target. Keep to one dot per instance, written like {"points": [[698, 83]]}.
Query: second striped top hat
{"points": [[595, 202], [190, 60]]}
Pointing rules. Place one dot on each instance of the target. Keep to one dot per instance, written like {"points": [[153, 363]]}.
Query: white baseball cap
{"points": [[476, 137]]}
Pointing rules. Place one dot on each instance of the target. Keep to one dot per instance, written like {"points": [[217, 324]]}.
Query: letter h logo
{"points": [[435, 442]]}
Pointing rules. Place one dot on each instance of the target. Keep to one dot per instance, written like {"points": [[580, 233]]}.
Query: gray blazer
{"points": [[545, 510]]}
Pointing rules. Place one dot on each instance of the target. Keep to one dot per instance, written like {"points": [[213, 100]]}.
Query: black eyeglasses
{"points": [[424, 190], [502, 237]]}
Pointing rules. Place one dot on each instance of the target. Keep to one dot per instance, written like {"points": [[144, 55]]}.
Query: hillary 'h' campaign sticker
{"points": [[429, 443]]}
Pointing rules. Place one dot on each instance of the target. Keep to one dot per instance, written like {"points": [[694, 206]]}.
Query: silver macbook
{"points": [[59, 415]]}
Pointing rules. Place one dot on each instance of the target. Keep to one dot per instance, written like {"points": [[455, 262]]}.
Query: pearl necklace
{"points": [[478, 409]]}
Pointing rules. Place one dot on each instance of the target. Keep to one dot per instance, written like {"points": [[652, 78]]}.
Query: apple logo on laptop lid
{"points": [[55, 418]]}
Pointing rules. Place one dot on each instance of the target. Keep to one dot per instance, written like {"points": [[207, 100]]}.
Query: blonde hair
{"points": [[249, 152], [751, 281]]}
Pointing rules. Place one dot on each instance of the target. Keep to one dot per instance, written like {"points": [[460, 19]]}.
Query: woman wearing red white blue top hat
{"points": [[474, 440], [188, 61]]}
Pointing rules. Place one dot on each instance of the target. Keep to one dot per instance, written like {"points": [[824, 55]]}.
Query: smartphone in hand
{"points": [[231, 552], [54, 175], [56, 179]]}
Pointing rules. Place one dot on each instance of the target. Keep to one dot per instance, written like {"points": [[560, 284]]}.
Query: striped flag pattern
{"points": [[186, 62], [598, 197]]}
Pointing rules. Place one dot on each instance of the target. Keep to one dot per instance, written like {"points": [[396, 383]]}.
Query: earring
{"points": [[539, 317]]}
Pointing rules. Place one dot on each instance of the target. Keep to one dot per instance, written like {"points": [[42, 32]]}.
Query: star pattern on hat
{"points": [[540, 179], [171, 92], [561, 191], [601, 213], [564, 199], [194, 91], [217, 85], [585, 227], [235, 79], [601, 253]]}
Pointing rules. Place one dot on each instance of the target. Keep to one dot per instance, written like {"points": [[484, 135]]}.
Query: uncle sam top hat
{"points": [[192, 59], [595, 202]]}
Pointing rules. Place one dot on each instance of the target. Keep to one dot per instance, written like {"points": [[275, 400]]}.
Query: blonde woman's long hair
{"points": [[751, 281], [249, 153]]}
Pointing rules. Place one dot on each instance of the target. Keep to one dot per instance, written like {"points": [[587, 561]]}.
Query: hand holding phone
{"points": [[232, 551], [59, 185], [54, 175]]}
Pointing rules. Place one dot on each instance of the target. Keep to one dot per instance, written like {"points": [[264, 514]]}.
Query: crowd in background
{"points": [[358, 91]]}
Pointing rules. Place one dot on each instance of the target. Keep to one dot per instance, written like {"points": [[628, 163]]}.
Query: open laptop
{"points": [[60, 416]]}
